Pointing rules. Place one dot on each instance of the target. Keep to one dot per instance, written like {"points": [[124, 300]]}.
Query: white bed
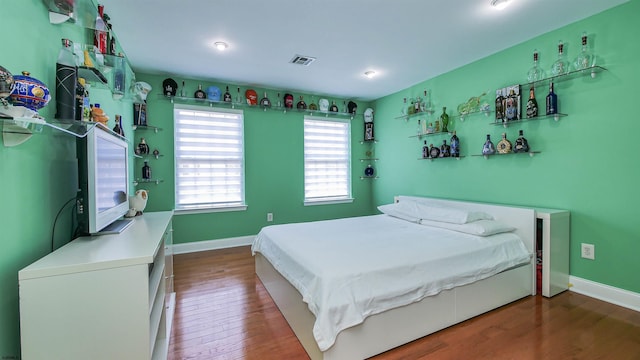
{"points": [[408, 311]]}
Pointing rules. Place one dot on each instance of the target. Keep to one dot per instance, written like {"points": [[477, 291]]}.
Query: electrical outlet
{"points": [[588, 251], [269, 216]]}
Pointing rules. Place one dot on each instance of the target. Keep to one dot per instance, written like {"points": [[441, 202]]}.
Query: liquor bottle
{"points": [[434, 152], [405, 109], [301, 105], [560, 66], [118, 128], [445, 150], [412, 107], [430, 128], [532, 104], [369, 171], [426, 102], [504, 145], [521, 144], [511, 110], [100, 35], [183, 90], [265, 102], [143, 147], [334, 107], [552, 101], [455, 145], [499, 106], [79, 99], [419, 128], [488, 148], [66, 82], [86, 102], [200, 94], [146, 171], [227, 95], [279, 103], [425, 150], [445, 120], [436, 129], [585, 58], [238, 98], [535, 73], [344, 107], [313, 105], [416, 105]]}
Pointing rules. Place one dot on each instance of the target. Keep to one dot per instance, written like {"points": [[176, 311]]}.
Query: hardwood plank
{"points": [[224, 312]]}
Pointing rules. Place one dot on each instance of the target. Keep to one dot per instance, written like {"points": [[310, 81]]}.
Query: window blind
{"points": [[209, 157], [327, 160]]}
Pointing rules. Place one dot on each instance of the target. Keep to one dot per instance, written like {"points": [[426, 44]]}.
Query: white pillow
{"points": [[480, 227], [398, 211]]}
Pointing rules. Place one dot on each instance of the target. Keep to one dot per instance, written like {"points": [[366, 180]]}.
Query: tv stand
{"points": [[116, 227], [101, 297]]}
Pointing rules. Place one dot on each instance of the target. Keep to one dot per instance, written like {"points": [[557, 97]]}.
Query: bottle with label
{"points": [[334, 107], [146, 170], [425, 150], [511, 110], [313, 105], [412, 107], [445, 150], [488, 148], [79, 99], [86, 102], [100, 35], [227, 96], [143, 147], [434, 152], [301, 105], [532, 104], [445, 120], [66, 82], [585, 58], [535, 73], [430, 129], [560, 66], [369, 171], [521, 144], [504, 145], [200, 94], [118, 128], [552, 101], [455, 145], [265, 102], [499, 105]]}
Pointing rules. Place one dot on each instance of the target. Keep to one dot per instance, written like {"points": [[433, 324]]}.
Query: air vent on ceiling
{"points": [[302, 60]]}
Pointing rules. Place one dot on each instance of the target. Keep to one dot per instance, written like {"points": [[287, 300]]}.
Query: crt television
{"points": [[103, 176]]}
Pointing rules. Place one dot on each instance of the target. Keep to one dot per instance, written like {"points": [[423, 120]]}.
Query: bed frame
{"points": [[416, 320]]}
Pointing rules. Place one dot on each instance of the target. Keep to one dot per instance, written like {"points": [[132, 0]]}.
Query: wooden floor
{"points": [[224, 312]]}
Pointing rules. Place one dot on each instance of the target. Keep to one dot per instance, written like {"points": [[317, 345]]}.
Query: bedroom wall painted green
{"points": [[588, 159], [274, 178]]}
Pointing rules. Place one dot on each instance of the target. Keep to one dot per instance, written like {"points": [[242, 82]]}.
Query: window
{"points": [[209, 158], [327, 160]]}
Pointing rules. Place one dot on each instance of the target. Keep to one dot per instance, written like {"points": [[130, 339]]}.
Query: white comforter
{"points": [[348, 269]]}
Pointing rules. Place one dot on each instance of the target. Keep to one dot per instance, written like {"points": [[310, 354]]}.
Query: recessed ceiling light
{"points": [[370, 74], [500, 4], [221, 45]]}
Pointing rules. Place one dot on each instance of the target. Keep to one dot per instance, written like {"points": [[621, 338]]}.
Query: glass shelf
{"points": [[442, 158], [147, 181], [242, 105], [362, 142], [92, 75], [15, 131], [506, 124], [369, 177], [530, 153], [430, 134], [411, 116], [592, 71], [147, 128], [486, 112], [369, 159]]}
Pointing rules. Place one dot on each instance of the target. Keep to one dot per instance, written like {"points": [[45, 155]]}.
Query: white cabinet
{"points": [[99, 297], [555, 250]]}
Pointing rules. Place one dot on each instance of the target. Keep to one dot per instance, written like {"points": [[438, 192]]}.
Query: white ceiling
{"points": [[404, 41]]}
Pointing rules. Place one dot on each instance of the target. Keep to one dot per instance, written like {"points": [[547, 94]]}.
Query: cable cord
{"points": [[53, 231]]}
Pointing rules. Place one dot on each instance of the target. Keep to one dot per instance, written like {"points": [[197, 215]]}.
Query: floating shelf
{"points": [[146, 128], [430, 134], [530, 153], [15, 131], [442, 158], [369, 177], [506, 124], [410, 116], [147, 181]]}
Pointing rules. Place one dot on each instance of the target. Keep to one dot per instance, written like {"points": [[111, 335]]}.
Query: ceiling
{"points": [[404, 41]]}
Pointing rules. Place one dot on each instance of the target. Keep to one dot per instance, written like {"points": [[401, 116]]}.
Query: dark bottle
{"points": [[265, 102], [488, 148], [532, 104], [143, 147], [425, 150], [369, 171], [334, 107], [118, 128], [499, 105], [455, 145], [227, 96], [146, 171], [445, 150], [301, 105], [200, 94], [434, 152], [66, 82], [552, 101], [521, 144], [79, 100]]}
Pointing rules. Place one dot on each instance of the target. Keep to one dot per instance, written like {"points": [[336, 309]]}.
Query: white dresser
{"points": [[101, 297]]}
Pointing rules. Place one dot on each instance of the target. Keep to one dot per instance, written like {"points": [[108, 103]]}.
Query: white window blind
{"points": [[327, 160], [209, 158]]}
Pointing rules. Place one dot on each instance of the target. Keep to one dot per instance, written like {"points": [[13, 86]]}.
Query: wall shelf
{"points": [[487, 156], [441, 158], [147, 128], [506, 124], [411, 116], [17, 130]]}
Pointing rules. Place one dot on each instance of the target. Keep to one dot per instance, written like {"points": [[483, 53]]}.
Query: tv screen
{"points": [[103, 173]]}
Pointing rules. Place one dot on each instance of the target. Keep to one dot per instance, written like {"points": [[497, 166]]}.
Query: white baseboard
{"points": [[212, 244], [617, 296]]}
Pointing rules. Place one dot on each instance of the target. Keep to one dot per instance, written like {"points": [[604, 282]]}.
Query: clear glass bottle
{"points": [[532, 104], [585, 58], [119, 80], [425, 105], [279, 103], [560, 66], [521, 144], [504, 145], [405, 108], [238, 97], [419, 128], [488, 148], [535, 73], [455, 145], [552, 101], [425, 150]]}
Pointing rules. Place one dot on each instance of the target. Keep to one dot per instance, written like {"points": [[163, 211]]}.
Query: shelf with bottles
{"points": [[155, 129], [486, 111], [421, 135], [147, 181], [368, 159], [487, 156], [374, 177], [407, 117], [16, 130], [570, 75], [441, 158], [506, 124]]}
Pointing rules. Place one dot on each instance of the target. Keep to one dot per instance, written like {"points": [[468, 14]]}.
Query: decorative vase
{"points": [[29, 92]]}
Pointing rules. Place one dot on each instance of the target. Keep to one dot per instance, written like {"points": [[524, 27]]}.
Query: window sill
{"points": [[328, 201], [210, 210]]}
